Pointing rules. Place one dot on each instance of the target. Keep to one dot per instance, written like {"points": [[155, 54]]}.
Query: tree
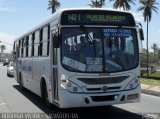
{"points": [[2, 47], [125, 4], [143, 61], [102, 3], [97, 4], [54, 5], [148, 6], [155, 49]]}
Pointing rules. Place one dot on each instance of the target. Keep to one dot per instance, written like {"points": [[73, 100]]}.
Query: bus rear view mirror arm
{"points": [[56, 40]]}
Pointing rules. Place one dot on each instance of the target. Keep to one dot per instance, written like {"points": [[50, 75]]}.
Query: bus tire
{"points": [[21, 82], [45, 95]]}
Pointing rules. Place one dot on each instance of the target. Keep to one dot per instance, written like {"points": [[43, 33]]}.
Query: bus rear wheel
{"points": [[21, 83]]}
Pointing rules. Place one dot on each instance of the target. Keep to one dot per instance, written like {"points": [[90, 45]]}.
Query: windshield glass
{"points": [[99, 49]]}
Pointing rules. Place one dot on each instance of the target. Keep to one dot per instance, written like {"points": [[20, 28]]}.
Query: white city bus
{"points": [[70, 60]]}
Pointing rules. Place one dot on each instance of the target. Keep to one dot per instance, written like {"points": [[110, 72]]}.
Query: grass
{"points": [[154, 79], [150, 82], [156, 74]]}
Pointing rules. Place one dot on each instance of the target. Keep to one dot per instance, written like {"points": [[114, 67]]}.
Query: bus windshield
{"points": [[99, 49]]}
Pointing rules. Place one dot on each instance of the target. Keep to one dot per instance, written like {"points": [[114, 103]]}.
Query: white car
{"points": [[10, 71]]}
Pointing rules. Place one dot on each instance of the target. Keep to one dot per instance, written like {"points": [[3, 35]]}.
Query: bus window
{"points": [[33, 38], [45, 41], [30, 46], [36, 43], [22, 45], [27, 39], [41, 42]]}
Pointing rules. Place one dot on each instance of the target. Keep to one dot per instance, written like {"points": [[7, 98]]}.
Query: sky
{"points": [[18, 16]]}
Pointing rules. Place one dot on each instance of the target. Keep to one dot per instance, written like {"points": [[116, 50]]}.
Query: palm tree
{"points": [[148, 6], [2, 47], [97, 4], [125, 4], [102, 3], [53, 4]]}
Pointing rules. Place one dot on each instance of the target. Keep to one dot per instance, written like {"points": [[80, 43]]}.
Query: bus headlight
{"points": [[132, 84], [70, 86]]}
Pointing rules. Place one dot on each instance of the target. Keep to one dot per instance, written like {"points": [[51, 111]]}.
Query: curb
{"points": [[150, 92]]}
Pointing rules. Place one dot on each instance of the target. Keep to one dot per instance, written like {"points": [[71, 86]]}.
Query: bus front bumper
{"points": [[70, 100]]}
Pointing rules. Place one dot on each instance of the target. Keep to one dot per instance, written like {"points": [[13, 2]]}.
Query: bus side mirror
{"points": [[141, 34], [56, 40]]}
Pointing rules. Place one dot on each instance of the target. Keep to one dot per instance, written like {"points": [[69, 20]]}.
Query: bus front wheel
{"points": [[45, 95]]}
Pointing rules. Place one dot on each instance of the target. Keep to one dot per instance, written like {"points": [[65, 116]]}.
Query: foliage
{"points": [[125, 4], [3, 48], [153, 63], [155, 51], [143, 59], [53, 5], [97, 4], [147, 7]]}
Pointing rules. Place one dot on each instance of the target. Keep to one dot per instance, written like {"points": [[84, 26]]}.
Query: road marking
{"points": [[2, 104]]}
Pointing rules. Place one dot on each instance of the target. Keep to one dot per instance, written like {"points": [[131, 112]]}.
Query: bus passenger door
{"points": [[54, 69]]}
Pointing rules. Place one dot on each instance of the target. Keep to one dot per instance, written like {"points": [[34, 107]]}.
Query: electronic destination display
{"points": [[97, 17]]}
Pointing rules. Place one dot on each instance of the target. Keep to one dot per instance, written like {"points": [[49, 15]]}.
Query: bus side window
{"points": [[30, 46], [48, 32], [36, 43], [41, 42], [27, 39], [17, 44], [45, 41], [33, 38], [48, 39], [22, 45]]}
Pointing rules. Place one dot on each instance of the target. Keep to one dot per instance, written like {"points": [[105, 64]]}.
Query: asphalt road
{"points": [[13, 100]]}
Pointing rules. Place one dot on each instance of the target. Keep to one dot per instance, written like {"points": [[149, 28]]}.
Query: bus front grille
{"points": [[109, 80], [100, 89]]}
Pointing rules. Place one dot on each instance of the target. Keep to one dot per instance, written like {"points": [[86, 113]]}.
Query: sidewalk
{"points": [[152, 90]]}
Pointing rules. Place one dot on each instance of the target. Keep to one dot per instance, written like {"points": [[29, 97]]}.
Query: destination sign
{"points": [[117, 32], [84, 17]]}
